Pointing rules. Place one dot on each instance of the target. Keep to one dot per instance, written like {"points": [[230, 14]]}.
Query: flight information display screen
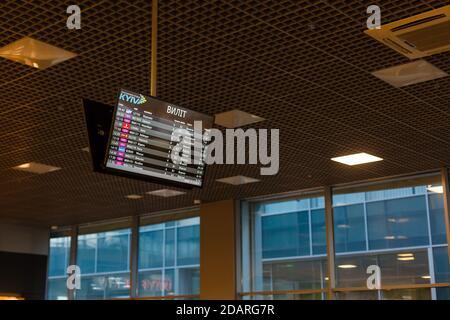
{"points": [[156, 139]]}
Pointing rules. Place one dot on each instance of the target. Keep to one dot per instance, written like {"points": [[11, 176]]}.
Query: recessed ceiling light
{"points": [[435, 189], [426, 277], [238, 180], [35, 167], [35, 53], [166, 193], [410, 73], [389, 237], [236, 119], [134, 197], [355, 159], [405, 254], [347, 266], [54, 228]]}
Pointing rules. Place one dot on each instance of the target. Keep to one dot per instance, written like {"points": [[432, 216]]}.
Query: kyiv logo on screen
{"points": [[132, 98]]}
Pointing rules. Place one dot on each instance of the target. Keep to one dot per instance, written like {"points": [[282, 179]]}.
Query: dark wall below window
{"points": [[23, 274]]}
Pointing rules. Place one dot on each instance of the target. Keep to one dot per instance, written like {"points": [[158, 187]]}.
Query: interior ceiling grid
{"points": [[302, 65]]}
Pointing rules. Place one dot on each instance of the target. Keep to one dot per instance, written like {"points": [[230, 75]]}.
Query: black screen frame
{"points": [[147, 178]]}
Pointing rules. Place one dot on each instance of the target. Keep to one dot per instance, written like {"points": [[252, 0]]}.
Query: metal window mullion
{"points": [[134, 257], [257, 259], [329, 225], [430, 238], [431, 272], [163, 262], [73, 256], [430, 250], [175, 258], [310, 232], [446, 195], [48, 263], [366, 224]]}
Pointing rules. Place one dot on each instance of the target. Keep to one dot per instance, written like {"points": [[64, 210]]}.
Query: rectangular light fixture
{"points": [[134, 196], [35, 167], [410, 73], [355, 159], [236, 118], [237, 180], [166, 193], [35, 53], [405, 257], [347, 266]]}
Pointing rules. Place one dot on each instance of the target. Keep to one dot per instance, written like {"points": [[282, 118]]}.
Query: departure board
{"points": [[147, 133]]}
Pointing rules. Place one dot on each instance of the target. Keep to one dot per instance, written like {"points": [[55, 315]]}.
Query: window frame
{"points": [[245, 273]]}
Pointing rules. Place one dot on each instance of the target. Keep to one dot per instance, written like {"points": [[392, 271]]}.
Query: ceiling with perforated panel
{"points": [[304, 66]]}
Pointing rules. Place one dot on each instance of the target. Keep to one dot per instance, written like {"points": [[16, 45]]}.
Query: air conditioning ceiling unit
{"points": [[419, 36]]}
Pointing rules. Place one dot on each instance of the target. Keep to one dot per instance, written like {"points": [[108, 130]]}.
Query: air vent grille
{"points": [[418, 22], [429, 38], [418, 36]]}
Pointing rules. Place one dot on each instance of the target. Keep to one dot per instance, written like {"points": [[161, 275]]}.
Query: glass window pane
{"points": [[399, 268], [112, 252], [163, 253], [189, 281], [441, 265], [104, 262], [397, 223], [169, 253], [406, 294], [404, 220], [443, 293], [168, 286], [348, 198], [151, 283], [437, 219], [151, 249], [87, 253], [59, 256], [285, 244], [104, 287], [349, 228], [188, 245], [294, 275], [57, 289], [319, 236], [285, 235]]}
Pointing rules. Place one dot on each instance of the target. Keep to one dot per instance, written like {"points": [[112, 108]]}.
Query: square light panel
{"points": [[358, 158], [166, 193], [35, 53], [35, 167], [238, 180], [236, 118], [410, 73]]}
